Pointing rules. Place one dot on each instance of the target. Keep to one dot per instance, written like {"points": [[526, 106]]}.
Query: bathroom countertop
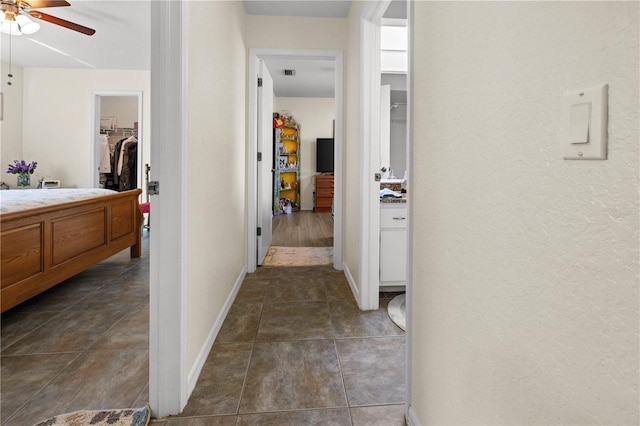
{"points": [[392, 200], [394, 186]]}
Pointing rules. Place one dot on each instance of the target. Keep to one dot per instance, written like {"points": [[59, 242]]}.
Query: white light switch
{"points": [[580, 117], [585, 135]]}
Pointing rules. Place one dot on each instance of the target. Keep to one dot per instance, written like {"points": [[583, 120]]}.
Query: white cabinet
{"points": [[393, 246]]}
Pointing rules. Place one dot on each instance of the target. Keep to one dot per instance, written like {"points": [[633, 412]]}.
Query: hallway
{"points": [[296, 350]]}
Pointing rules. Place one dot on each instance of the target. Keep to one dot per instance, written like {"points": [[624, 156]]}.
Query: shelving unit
{"points": [[286, 185]]}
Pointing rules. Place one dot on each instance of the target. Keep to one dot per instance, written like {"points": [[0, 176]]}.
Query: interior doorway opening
{"points": [[117, 148], [304, 227], [303, 185]]}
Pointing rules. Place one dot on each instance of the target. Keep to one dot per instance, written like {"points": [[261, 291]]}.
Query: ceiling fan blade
{"points": [[62, 22], [39, 4]]}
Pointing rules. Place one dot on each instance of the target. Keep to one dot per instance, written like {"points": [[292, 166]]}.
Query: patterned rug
{"points": [[124, 417], [298, 256]]}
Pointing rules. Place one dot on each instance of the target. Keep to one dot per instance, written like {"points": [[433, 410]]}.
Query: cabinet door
{"points": [[393, 255]]}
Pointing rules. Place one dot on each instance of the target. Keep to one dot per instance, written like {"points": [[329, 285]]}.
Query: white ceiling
{"points": [[313, 78], [121, 40]]}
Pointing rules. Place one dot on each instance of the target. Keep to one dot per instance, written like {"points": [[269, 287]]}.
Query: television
{"points": [[324, 155]]}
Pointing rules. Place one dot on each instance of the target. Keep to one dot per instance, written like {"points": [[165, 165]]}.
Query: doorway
{"points": [[117, 123], [370, 214], [304, 96], [256, 187]]}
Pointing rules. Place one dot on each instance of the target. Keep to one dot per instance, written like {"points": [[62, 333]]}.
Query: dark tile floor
{"points": [[80, 345], [294, 350]]}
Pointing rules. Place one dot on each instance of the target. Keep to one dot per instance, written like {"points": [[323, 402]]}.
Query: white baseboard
{"points": [[412, 419], [352, 282], [208, 344]]}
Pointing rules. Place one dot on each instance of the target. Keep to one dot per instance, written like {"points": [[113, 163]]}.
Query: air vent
{"points": [[289, 72]]}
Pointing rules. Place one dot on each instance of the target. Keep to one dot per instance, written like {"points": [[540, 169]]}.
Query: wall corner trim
{"points": [[352, 283], [411, 417], [196, 369]]}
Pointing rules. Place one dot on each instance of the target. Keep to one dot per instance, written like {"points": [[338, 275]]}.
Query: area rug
{"points": [[298, 256], [397, 311], [124, 417]]}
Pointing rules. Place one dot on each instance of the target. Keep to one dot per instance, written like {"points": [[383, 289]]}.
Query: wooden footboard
{"points": [[44, 246]]}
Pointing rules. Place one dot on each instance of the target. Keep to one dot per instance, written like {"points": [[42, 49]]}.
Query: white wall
{"points": [[315, 116], [525, 280], [216, 231], [124, 108], [351, 184], [290, 32], [58, 118], [11, 124]]}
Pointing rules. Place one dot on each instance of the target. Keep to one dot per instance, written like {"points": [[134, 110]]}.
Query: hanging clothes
{"points": [[105, 155], [128, 164], [115, 161]]}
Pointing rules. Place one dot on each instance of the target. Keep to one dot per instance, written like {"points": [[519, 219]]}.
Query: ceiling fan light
{"points": [[10, 27], [27, 26]]}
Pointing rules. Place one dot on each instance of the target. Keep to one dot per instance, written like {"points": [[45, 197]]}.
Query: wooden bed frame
{"points": [[42, 247]]}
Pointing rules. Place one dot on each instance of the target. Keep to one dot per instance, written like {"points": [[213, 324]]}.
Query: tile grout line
{"points": [[335, 348], [17, 411], [344, 386], [253, 346]]}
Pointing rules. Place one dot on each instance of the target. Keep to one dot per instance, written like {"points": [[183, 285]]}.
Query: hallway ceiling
{"points": [[314, 78]]}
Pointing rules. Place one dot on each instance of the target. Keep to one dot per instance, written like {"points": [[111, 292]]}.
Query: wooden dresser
{"points": [[323, 196]]}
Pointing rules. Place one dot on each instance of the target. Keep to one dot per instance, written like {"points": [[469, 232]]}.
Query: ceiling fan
{"points": [[14, 19]]}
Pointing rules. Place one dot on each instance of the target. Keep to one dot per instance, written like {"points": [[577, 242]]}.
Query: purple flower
{"points": [[20, 166]]}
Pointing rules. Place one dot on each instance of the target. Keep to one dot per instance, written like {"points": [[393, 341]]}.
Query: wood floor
{"points": [[303, 229]]}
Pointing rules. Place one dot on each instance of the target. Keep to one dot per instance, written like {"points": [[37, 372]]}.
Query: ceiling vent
{"points": [[290, 72]]}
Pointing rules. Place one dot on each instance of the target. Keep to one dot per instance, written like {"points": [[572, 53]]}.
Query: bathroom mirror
{"points": [[393, 76], [397, 146]]}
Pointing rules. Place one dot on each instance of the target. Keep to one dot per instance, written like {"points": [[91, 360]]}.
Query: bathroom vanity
{"points": [[393, 243]]}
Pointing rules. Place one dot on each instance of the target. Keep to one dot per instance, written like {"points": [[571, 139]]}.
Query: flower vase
{"points": [[24, 180]]}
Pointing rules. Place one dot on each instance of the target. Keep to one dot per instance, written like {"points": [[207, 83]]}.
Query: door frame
{"points": [[252, 151], [370, 20], [95, 130], [168, 375]]}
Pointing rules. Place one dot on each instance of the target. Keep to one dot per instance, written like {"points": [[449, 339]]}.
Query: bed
{"points": [[49, 235]]}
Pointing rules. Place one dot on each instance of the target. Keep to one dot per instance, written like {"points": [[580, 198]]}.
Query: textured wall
{"points": [[61, 138], [124, 108], [293, 32], [351, 194], [11, 124], [525, 307], [216, 230]]}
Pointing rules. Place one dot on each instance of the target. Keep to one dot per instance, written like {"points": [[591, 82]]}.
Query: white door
{"points": [[265, 166]]}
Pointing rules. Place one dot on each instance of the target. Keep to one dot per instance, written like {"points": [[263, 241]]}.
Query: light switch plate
{"points": [[596, 147]]}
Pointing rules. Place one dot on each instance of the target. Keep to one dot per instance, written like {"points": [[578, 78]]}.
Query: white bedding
{"points": [[16, 200]]}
